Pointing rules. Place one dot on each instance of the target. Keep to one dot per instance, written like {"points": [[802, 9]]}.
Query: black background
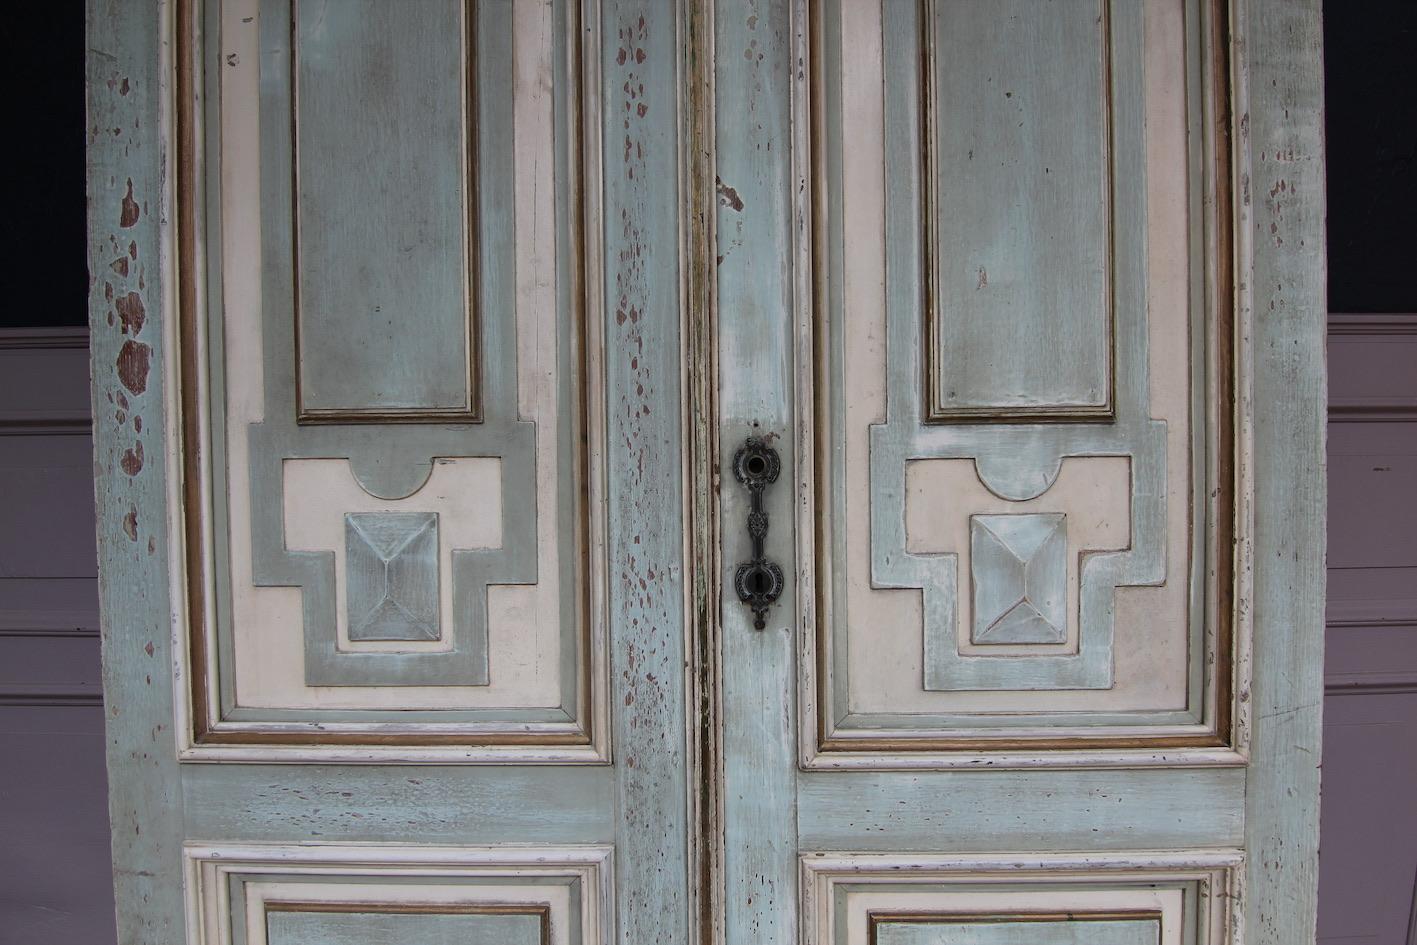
{"points": [[1371, 88]]}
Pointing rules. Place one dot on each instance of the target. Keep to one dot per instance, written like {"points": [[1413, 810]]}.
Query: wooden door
{"points": [[1027, 298], [390, 478], [459, 365]]}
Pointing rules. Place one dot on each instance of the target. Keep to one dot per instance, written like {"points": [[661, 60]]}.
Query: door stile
{"points": [[1281, 284], [129, 198], [757, 67]]}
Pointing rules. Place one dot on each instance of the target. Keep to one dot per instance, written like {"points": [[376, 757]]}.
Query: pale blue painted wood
{"points": [[391, 460], [753, 71], [383, 206], [471, 805], [1020, 811], [127, 97], [1066, 932], [375, 928], [641, 307], [1015, 461], [391, 574], [1021, 206], [1019, 571], [1281, 204]]}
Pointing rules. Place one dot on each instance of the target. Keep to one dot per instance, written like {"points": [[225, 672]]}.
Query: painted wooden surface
{"points": [[1281, 234], [1081, 931], [807, 855], [556, 318], [754, 45], [128, 202], [1020, 170], [370, 269], [295, 927]]}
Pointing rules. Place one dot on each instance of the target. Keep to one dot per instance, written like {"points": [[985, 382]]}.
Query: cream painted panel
{"points": [[883, 627], [465, 493]]}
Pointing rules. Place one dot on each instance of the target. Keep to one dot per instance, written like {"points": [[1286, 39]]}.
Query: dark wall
{"points": [[1370, 50], [43, 192]]}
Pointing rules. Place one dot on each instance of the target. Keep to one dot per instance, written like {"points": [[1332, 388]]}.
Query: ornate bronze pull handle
{"points": [[759, 581]]}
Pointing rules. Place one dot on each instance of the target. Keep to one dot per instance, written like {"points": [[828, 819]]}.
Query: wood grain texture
{"points": [[754, 70], [641, 311], [1281, 272], [385, 113], [1019, 180], [128, 203], [1021, 811], [469, 805]]}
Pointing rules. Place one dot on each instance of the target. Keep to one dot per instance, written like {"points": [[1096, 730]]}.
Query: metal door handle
{"points": [[759, 581]]}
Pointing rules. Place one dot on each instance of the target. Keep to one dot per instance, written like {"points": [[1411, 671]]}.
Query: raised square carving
{"points": [[1019, 568], [393, 575]]}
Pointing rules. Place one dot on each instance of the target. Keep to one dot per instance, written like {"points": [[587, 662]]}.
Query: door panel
{"points": [[396, 532], [1018, 409], [1044, 558], [360, 517]]}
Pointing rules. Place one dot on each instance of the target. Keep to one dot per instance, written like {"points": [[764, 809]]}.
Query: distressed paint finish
{"points": [[646, 498], [1278, 66], [754, 45], [1021, 811], [128, 207], [471, 805]]}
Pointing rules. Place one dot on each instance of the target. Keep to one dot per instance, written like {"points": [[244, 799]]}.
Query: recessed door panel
{"points": [[394, 445], [1020, 540]]}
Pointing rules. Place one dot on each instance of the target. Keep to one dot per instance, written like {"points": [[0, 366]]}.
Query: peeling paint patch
{"points": [[728, 196], [131, 311], [130, 523], [132, 460], [128, 216], [134, 360]]}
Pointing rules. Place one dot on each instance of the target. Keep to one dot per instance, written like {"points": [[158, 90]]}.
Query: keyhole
{"points": [[757, 465], [759, 582]]}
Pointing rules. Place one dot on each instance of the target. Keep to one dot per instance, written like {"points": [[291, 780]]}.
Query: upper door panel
{"points": [[392, 391], [1020, 502]]}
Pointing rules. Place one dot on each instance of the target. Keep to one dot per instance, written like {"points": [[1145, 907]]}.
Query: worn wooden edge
{"points": [[1281, 302], [203, 734], [643, 225], [704, 689], [129, 180]]}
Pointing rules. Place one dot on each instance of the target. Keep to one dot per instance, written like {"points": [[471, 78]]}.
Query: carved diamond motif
{"points": [[391, 563], [1019, 568]]}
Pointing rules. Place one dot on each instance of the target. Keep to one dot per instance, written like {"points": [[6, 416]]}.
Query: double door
{"points": [[596, 471]]}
